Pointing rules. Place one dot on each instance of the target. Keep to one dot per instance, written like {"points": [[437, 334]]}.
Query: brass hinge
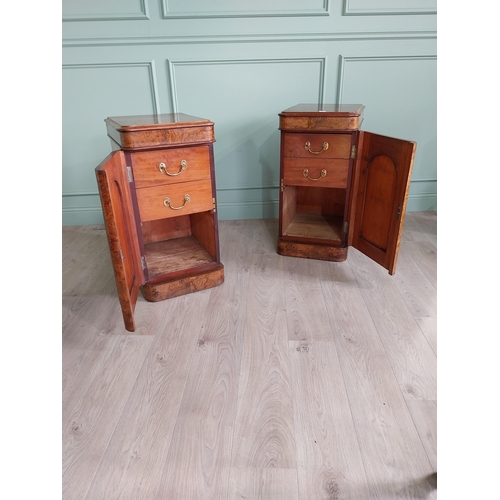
{"points": [[353, 151], [129, 175], [281, 186], [346, 227], [399, 210], [215, 208], [143, 261]]}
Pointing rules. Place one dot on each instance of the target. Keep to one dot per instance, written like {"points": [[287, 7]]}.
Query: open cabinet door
{"points": [[121, 229], [381, 184]]}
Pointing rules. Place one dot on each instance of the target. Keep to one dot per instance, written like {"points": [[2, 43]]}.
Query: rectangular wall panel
{"points": [[243, 99], [389, 7], [400, 96], [256, 8], [91, 93], [110, 10]]}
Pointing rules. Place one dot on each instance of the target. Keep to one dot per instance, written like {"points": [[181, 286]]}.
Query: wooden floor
{"points": [[294, 380]]}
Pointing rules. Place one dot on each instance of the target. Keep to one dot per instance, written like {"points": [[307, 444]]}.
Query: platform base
{"points": [[184, 284], [316, 251]]}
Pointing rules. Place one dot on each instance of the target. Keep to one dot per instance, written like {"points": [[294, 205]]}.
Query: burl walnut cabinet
{"points": [[158, 197], [340, 186]]}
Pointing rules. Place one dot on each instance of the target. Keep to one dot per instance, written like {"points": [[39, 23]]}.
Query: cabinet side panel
{"points": [[203, 228], [122, 236], [289, 206]]}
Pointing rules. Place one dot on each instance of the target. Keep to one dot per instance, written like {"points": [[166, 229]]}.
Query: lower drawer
{"points": [[173, 200], [315, 173]]}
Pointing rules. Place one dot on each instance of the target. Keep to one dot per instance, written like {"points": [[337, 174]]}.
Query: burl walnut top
{"points": [[321, 117], [157, 131], [135, 122]]}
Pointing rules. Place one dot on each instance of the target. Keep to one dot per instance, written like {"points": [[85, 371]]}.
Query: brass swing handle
{"points": [[308, 148], [322, 174], [166, 202], [163, 168]]}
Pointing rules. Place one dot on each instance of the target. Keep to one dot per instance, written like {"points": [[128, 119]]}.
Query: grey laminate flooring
{"points": [[296, 379]]}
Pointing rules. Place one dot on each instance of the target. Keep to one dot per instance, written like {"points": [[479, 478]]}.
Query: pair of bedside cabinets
{"points": [[339, 187]]}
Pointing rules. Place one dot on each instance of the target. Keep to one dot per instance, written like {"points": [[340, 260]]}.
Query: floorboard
{"points": [[295, 379]]}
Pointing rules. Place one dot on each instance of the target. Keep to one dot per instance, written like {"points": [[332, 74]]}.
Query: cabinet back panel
{"points": [[165, 229], [324, 201]]}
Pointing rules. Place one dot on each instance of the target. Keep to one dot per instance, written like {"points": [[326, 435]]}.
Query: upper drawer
{"points": [[317, 145], [184, 198], [167, 166]]}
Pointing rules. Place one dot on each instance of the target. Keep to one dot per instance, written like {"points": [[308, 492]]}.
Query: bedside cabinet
{"points": [[340, 186], [158, 198]]}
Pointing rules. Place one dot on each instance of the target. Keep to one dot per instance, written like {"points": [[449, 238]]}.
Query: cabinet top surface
{"points": [[324, 110], [167, 120]]}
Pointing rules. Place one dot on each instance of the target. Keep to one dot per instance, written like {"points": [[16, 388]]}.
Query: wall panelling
{"points": [[240, 64]]}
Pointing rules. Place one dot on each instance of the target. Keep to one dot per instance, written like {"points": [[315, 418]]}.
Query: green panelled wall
{"points": [[239, 63]]}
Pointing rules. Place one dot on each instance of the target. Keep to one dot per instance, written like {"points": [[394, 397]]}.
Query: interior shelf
{"points": [[175, 255], [304, 225]]}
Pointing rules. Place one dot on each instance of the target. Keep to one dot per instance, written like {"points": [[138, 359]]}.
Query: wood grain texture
{"points": [[315, 226], [264, 435], [151, 199], [91, 414], [335, 172], [147, 172], [199, 457], [159, 131], [89, 303], [175, 255], [306, 310], [413, 362], [328, 456], [424, 414], [263, 484], [135, 456], [339, 145], [83, 253], [282, 383], [385, 430], [85, 326], [287, 246]]}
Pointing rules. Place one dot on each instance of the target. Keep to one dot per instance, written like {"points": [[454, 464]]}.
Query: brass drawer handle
{"points": [[322, 174], [166, 202], [308, 148], [163, 168]]}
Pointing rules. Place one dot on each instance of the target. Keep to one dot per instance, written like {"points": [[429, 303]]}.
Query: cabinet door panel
{"points": [[382, 180], [121, 230]]}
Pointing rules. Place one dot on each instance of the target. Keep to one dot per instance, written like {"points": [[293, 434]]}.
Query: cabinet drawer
{"points": [[182, 198], [169, 166], [317, 145], [316, 173]]}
